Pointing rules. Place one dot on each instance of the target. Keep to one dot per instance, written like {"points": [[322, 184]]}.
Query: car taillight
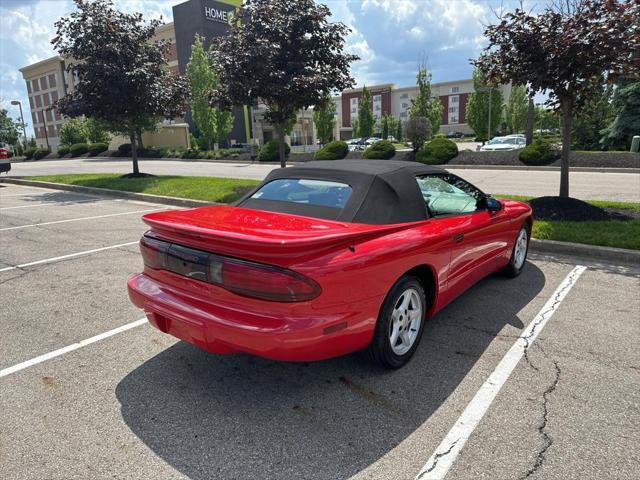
{"points": [[266, 282], [154, 252], [245, 278]]}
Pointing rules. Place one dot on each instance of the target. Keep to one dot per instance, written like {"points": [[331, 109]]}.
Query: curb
{"points": [[105, 192], [609, 254]]}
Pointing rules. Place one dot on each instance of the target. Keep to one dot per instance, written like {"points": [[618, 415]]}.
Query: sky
{"points": [[390, 36]]}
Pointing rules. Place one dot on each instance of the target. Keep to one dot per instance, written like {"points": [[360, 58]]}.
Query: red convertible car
{"points": [[326, 258]]}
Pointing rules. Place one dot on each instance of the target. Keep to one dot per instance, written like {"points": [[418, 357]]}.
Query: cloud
{"points": [[389, 36]]}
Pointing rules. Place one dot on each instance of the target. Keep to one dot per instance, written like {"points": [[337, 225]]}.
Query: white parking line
{"points": [[70, 348], [79, 219], [65, 257], [445, 455], [52, 204]]}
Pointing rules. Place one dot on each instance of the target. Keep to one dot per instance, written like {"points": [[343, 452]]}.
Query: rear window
{"points": [[320, 193]]}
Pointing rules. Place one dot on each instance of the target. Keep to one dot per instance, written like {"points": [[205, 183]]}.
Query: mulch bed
{"points": [[572, 209]]}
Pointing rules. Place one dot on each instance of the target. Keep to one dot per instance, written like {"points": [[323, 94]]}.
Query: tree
{"points": [[72, 131], [593, 117], [516, 109], [483, 106], [424, 105], [398, 133], [213, 124], [8, 129], [561, 50], [97, 131], [366, 120], [123, 77], [324, 119], [546, 118], [384, 126], [355, 128], [284, 52], [626, 103], [418, 131]]}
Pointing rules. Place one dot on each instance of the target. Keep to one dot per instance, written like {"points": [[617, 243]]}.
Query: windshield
{"points": [[310, 192], [504, 141]]}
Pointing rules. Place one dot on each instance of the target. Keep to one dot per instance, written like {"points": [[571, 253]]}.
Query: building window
{"points": [[43, 83], [405, 105], [453, 119], [38, 101], [455, 89], [31, 102], [52, 80], [403, 114], [453, 99], [34, 85], [33, 117]]}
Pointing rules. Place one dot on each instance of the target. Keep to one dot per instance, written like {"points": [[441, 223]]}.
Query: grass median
{"points": [[607, 233], [211, 189]]}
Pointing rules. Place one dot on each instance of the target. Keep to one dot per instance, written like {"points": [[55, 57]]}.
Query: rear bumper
{"points": [[305, 335]]}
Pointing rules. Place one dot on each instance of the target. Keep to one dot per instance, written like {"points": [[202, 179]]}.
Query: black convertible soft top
{"points": [[383, 191]]}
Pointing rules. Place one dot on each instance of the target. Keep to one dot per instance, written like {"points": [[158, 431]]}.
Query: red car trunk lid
{"points": [[258, 235]]}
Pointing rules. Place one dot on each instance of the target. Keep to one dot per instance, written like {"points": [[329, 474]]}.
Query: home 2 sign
{"points": [[217, 15]]}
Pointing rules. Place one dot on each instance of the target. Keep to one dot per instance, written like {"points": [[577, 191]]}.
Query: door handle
{"points": [[458, 237]]}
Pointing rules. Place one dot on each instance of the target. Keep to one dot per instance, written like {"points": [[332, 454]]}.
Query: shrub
{"points": [[28, 153], [437, 151], [96, 148], [153, 152], [333, 151], [191, 153], [63, 150], [78, 149], [124, 150], [41, 153], [540, 152], [270, 151], [382, 149]]}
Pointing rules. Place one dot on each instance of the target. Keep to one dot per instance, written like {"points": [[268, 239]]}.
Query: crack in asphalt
{"points": [[436, 458], [548, 440]]}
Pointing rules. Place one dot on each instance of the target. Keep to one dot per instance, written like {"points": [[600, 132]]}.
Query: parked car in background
{"points": [[326, 258], [5, 165], [356, 144], [504, 144], [371, 140], [455, 135]]}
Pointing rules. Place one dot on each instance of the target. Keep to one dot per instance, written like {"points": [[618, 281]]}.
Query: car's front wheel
{"points": [[400, 324], [519, 253]]}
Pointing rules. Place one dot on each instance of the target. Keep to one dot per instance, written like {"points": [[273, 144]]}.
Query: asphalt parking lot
{"points": [[129, 402]]}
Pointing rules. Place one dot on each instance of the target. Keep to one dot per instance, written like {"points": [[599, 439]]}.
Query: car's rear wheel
{"points": [[518, 254], [400, 324]]}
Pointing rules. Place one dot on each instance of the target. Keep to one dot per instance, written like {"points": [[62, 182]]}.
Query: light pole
{"points": [[24, 130], [46, 135]]}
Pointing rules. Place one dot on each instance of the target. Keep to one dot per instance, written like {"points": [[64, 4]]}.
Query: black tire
{"points": [[379, 350], [513, 269]]}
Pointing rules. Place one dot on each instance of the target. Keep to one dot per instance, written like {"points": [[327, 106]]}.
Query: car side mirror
{"points": [[493, 204]]}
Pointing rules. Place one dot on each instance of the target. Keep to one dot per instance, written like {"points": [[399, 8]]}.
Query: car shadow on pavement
{"points": [[60, 197], [236, 417]]}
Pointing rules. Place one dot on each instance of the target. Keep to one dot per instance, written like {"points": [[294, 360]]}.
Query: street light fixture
{"points": [[24, 130]]}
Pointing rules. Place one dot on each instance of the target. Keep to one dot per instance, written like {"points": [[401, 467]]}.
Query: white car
{"points": [[504, 144]]}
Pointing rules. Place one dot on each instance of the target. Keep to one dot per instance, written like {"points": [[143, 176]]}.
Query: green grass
{"points": [[608, 233], [212, 189]]}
